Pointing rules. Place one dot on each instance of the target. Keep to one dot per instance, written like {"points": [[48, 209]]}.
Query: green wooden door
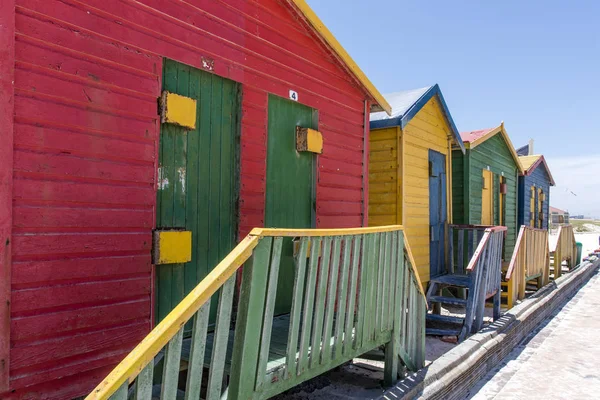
{"points": [[290, 196], [197, 180]]}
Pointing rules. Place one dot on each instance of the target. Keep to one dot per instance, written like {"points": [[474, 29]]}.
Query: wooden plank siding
{"points": [[427, 130], [399, 189], [539, 177], [87, 79], [494, 153]]}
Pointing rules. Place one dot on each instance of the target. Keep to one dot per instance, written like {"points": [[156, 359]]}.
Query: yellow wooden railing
{"points": [[565, 250], [354, 290], [530, 260]]}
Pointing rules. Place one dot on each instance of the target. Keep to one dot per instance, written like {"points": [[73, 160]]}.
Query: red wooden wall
{"points": [[85, 152]]}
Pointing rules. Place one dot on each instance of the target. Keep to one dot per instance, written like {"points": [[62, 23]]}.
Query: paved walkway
{"points": [[559, 360]]}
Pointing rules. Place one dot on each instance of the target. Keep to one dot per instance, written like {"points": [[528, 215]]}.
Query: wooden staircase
{"points": [[466, 292], [354, 290]]}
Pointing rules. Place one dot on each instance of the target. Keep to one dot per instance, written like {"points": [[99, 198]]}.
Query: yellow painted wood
{"points": [[532, 207], [309, 140], [148, 348], [383, 174], [262, 232], [172, 247], [487, 198], [178, 110]]}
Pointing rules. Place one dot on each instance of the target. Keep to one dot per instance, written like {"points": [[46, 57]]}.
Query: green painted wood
{"points": [[362, 289], [296, 311], [342, 299], [196, 358], [198, 180], [290, 189], [247, 337], [319, 314], [352, 312], [143, 383], [386, 287], [309, 301], [170, 375], [395, 265], [217, 361], [121, 393], [267, 323], [336, 255]]}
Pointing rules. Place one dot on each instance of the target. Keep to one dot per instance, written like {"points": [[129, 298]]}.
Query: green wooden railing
{"points": [[354, 290]]}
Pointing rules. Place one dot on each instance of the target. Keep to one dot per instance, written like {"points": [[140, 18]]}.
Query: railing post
{"points": [[246, 343], [392, 348]]}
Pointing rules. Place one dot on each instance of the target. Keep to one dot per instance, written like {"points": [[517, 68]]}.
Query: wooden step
{"points": [[442, 332], [453, 280], [448, 300], [446, 319]]}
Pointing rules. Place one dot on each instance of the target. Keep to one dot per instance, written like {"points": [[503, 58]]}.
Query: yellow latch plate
{"points": [[178, 110], [172, 247], [309, 140]]}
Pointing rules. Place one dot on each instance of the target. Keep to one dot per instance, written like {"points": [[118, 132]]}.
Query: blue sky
{"points": [[533, 64]]}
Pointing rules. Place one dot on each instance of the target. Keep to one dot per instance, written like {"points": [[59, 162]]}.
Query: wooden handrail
{"points": [[514, 258], [168, 333], [482, 244], [262, 232], [151, 345]]}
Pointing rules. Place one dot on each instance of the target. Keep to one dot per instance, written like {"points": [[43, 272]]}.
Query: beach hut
{"points": [[410, 172], [112, 209], [484, 182], [558, 217], [534, 192]]}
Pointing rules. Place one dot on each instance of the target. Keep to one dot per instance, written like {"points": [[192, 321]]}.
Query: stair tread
{"points": [[445, 318], [442, 332], [447, 300], [454, 280]]}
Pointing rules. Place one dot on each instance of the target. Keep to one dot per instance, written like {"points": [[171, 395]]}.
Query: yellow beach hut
{"points": [[410, 172]]}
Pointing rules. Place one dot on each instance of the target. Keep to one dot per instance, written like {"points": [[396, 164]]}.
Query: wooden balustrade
{"points": [[530, 260], [462, 243], [485, 271], [357, 289], [565, 250]]}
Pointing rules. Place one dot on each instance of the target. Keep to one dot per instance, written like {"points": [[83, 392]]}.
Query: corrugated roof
{"points": [[401, 102], [340, 52], [469, 137], [475, 138], [406, 104]]}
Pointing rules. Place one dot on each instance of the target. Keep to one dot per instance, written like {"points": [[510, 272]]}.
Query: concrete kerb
{"points": [[453, 374]]}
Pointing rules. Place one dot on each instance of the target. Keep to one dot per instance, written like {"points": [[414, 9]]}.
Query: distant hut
{"points": [[484, 182], [558, 216], [534, 192], [410, 172]]}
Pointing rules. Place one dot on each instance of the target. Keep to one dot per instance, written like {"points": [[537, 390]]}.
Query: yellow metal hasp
{"points": [[309, 140], [178, 110], [171, 247], [145, 352]]}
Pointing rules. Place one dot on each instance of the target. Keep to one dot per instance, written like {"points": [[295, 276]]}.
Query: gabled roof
{"points": [[406, 104], [523, 151], [530, 163], [554, 210], [475, 138], [315, 22]]}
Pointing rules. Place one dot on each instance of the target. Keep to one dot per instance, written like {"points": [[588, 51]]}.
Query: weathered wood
{"points": [[342, 298], [331, 298], [317, 333], [362, 289], [143, 383], [352, 296], [296, 310], [217, 362], [269, 311], [309, 301], [250, 309], [171, 369], [198, 347], [121, 393]]}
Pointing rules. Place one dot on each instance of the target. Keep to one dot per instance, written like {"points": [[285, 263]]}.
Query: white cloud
{"points": [[577, 184]]}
